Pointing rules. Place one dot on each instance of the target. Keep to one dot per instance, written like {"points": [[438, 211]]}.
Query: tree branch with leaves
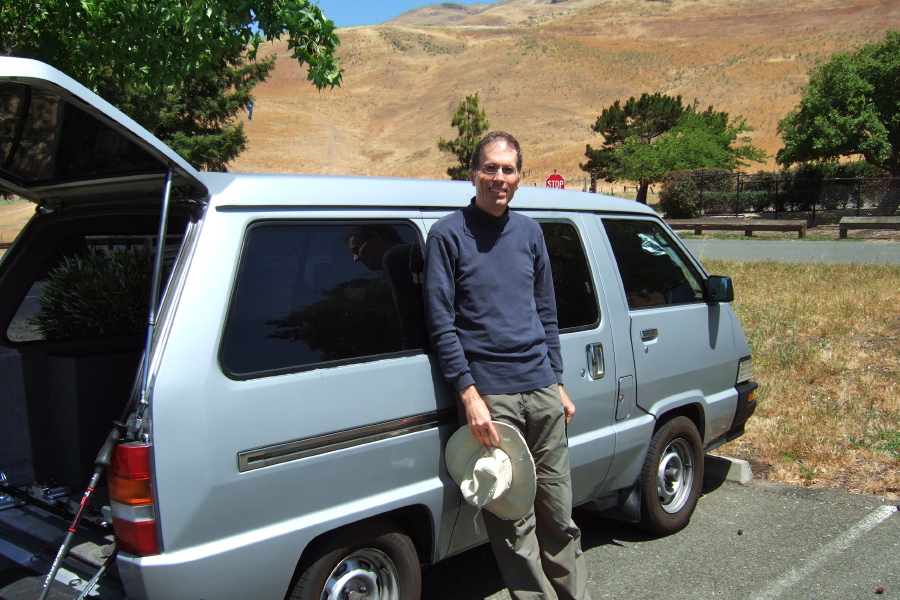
{"points": [[849, 108], [151, 59]]}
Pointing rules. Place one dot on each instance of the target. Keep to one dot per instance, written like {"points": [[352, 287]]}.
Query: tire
{"points": [[373, 561], [671, 477]]}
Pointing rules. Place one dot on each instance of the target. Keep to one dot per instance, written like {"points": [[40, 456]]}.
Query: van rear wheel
{"points": [[370, 561], [672, 477]]}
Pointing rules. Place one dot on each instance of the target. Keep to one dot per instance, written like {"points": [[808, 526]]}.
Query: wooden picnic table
{"points": [[848, 223], [748, 226]]}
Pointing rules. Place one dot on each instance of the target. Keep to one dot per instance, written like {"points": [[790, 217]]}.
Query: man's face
{"points": [[367, 251], [497, 179]]}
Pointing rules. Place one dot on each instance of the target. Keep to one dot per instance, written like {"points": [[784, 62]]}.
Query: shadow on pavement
{"points": [[474, 573]]}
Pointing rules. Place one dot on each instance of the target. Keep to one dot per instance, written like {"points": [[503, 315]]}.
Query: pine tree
{"points": [[197, 118], [472, 124], [643, 120]]}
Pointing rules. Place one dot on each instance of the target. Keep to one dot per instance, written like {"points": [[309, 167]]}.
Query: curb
{"points": [[722, 468]]}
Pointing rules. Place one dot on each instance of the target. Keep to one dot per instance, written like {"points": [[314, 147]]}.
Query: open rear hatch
{"points": [[106, 188], [61, 143]]}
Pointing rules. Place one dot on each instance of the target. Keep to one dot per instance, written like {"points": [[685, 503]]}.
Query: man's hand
{"points": [[567, 404], [479, 417]]}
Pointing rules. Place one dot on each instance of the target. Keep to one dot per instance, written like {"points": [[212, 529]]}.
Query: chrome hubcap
{"points": [[675, 476], [366, 574]]}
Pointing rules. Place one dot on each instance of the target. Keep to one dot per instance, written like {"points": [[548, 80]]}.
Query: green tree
{"points": [[656, 134], [472, 124], [698, 140], [643, 119], [197, 118], [849, 108], [153, 58]]}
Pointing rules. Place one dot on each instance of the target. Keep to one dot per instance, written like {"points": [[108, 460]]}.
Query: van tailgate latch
{"points": [[649, 334]]}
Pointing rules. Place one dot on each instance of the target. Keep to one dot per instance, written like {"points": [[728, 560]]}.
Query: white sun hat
{"points": [[501, 478]]}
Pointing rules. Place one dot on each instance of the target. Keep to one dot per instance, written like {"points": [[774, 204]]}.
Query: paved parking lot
{"points": [[870, 253], [763, 541]]}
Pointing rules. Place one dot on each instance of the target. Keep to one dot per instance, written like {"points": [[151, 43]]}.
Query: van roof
{"points": [[277, 190]]}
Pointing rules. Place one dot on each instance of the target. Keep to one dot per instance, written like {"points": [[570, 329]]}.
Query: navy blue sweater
{"points": [[489, 302]]}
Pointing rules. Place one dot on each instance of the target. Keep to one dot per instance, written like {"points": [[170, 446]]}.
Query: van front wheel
{"points": [[366, 561], [672, 477]]}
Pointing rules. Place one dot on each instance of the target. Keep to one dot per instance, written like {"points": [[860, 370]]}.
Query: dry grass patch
{"points": [[827, 359], [13, 216]]}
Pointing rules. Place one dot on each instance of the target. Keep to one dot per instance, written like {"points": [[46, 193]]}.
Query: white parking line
{"points": [[845, 541]]}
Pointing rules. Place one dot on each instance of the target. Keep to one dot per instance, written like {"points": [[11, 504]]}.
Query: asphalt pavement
{"points": [[760, 541], [796, 251]]}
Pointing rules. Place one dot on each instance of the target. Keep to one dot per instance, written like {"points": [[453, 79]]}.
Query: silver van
{"points": [[277, 420]]}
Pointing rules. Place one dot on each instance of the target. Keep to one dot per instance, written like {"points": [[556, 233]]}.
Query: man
{"points": [[491, 314], [380, 248]]}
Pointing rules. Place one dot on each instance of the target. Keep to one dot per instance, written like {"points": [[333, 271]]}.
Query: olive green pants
{"points": [[540, 555]]}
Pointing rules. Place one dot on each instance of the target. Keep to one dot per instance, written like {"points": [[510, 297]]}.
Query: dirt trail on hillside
{"points": [[335, 135]]}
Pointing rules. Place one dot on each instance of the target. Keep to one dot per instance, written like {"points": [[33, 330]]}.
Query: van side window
{"points": [[323, 294], [654, 272], [576, 300]]}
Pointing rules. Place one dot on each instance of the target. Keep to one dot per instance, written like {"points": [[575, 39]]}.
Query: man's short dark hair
{"points": [[365, 233], [491, 138]]}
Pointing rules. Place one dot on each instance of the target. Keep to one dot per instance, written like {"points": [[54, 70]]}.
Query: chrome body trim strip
{"points": [[276, 454]]}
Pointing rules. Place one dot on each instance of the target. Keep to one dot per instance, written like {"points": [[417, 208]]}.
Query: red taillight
{"points": [[131, 500], [136, 537]]}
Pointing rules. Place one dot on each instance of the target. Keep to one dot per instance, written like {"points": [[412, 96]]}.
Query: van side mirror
{"points": [[719, 289]]}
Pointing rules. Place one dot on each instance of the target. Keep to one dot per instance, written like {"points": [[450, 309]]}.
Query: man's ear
{"points": [[472, 176]]}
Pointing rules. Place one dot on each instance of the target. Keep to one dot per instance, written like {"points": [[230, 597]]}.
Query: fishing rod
{"points": [[106, 563], [101, 463]]}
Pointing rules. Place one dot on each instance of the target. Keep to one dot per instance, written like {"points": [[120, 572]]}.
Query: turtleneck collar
{"points": [[485, 220]]}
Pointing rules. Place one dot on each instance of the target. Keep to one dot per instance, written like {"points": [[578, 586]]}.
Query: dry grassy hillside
{"points": [[497, 14], [544, 72]]}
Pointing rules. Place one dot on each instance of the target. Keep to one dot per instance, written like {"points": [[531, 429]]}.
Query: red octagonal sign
{"points": [[556, 181]]}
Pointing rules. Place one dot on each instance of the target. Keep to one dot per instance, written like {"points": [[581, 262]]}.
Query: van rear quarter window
{"points": [[654, 271], [322, 294]]}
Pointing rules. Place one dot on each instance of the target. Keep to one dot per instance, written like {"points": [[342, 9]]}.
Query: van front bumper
{"points": [[746, 406]]}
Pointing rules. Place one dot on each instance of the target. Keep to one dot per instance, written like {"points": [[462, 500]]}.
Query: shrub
{"points": [[96, 293], [758, 200], [681, 197]]}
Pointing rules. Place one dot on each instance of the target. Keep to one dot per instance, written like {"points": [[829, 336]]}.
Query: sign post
{"points": [[556, 181]]}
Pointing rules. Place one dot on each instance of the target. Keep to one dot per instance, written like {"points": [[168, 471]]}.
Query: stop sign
{"points": [[556, 181]]}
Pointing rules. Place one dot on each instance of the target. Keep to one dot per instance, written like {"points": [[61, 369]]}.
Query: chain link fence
{"points": [[825, 199]]}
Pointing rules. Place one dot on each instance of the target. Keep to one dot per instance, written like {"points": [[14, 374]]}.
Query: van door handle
{"points": [[649, 334], [596, 364]]}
